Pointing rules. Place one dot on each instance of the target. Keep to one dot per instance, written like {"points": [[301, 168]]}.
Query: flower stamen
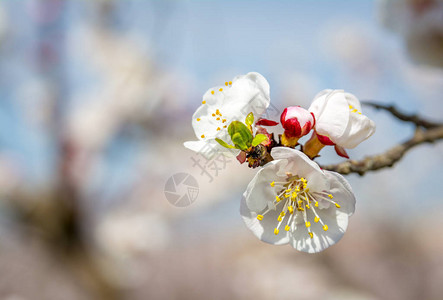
{"points": [[297, 199]]}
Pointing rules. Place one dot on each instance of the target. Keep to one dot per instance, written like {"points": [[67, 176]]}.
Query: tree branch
{"points": [[419, 122], [390, 157]]}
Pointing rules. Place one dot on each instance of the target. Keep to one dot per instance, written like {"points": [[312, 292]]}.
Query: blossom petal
{"points": [[303, 166], [210, 149], [252, 87], [359, 129], [342, 191], [337, 222], [259, 191], [248, 93], [264, 229], [266, 122], [335, 218], [331, 113], [205, 125], [341, 151], [353, 101]]}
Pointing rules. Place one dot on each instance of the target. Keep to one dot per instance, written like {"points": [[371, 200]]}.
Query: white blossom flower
{"points": [[339, 119], [292, 201], [223, 104]]}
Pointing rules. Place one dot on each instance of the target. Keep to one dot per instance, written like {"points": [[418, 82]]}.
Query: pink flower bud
{"points": [[297, 121]]}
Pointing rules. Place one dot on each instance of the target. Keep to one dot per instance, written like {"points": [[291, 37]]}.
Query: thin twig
{"points": [[390, 157], [419, 122]]}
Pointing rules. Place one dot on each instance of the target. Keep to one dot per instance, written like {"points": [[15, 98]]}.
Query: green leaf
{"points": [[238, 141], [259, 138], [249, 120], [240, 135], [224, 144]]}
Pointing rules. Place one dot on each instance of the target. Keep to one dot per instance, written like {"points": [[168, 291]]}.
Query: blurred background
{"points": [[96, 99]]}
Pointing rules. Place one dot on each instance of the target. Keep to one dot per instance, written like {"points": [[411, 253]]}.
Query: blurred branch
{"points": [[426, 132], [402, 116]]}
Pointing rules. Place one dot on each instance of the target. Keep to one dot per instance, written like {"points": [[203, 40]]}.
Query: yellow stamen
{"points": [[218, 128], [279, 218], [226, 83], [316, 204], [316, 219], [308, 224], [198, 119], [203, 136], [259, 217], [325, 227], [224, 120], [218, 118], [311, 235], [273, 183], [203, 102], [221, 90], [337, 205], [290, 209], [330, 196], [287, 228], [212, 92], [351, 107], [224, 126], [276, 231], [277, 198], [230, 82]]}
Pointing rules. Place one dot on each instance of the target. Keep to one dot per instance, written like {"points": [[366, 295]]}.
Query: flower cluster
{"points": [[291, 200]]}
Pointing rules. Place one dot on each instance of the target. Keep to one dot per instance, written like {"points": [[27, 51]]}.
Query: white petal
{"points": [[301, 165], [259, 191], [353, 101], [248, 93], [196, 146], [206, 127], [264, 230], [213, 97], [210, 148], [331, 113], [322, 93], [335, 218], [342, 191], [359, 129], [337, 222]]}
